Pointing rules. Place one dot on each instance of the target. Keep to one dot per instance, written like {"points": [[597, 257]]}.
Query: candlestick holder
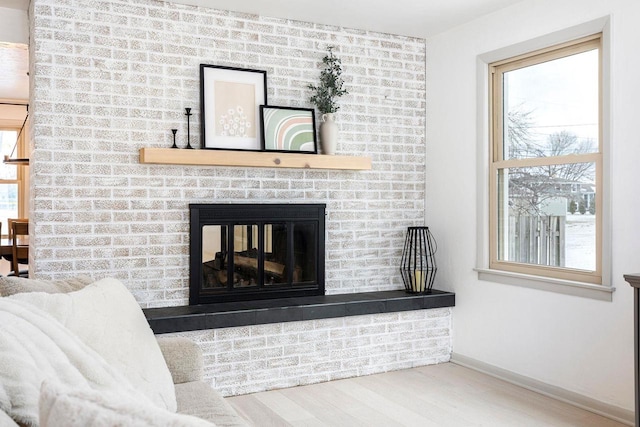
{"points": [[188, 114], [174, 138]]}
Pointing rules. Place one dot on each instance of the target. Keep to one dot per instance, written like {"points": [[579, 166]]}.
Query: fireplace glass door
{"points": [[256, 258]]}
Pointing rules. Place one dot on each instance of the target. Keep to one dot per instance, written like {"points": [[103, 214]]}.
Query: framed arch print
{"points": [[288, 129]]}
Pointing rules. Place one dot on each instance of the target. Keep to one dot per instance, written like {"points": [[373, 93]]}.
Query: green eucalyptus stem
{"points": [[330, 87]]}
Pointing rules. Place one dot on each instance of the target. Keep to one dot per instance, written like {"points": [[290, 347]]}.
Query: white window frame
{"points": [[530, 278]]}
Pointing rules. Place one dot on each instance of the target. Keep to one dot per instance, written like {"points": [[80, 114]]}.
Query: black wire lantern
{"points": [[418, 265]]}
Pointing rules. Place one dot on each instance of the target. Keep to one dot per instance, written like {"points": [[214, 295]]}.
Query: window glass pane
{"points": [[7, 142], [552, 108], [547, 215], [8, 204]]}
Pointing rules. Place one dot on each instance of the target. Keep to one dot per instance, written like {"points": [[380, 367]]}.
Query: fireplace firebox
{"points": [[241, 252]]}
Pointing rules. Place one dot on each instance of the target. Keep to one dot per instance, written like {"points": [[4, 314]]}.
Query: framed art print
{"points": [[288, 129], [230, 99]]}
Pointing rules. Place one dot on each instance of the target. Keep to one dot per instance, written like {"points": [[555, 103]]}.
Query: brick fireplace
{"points": [[114, 76]]}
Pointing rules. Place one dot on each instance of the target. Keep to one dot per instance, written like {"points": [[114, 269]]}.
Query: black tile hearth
{"points": [[224, 315]]}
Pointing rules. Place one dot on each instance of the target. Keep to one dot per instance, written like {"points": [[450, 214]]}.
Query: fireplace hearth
{"points": [[242, 252]]}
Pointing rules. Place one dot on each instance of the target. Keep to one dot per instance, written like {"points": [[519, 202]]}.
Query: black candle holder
{"points": [[174, 131], [418, 266], [188, 114]]}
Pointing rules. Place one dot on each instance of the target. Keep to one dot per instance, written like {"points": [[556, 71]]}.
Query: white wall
{"points": [[14, 27], [577, 344]]}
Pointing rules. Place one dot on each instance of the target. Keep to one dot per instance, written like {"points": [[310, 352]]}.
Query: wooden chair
{"points": [[11, 221], [19, 232]]}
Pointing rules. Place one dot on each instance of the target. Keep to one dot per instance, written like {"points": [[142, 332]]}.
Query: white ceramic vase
{"points": [[328, 134]]}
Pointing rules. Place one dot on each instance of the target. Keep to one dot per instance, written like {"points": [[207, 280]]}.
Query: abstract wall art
{"points": [[288, 129]]}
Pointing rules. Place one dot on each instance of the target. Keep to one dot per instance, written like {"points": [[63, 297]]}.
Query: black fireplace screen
{"points": [[242, 252]]}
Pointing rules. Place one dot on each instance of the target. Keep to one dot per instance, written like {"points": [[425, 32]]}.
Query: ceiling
{"points": [[416, 18], [14, 66]]}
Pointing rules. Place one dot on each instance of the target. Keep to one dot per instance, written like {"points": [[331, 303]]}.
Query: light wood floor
{"points": [[439, 396]]}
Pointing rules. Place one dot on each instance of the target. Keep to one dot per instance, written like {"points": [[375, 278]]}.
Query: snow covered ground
{"points": [[580, 241]]}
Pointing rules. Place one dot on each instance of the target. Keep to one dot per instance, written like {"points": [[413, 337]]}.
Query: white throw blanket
{"points": [[34, 347], [107, 318]]}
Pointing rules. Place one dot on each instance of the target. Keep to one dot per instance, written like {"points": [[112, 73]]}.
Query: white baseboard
{"points": [[613, 412]]}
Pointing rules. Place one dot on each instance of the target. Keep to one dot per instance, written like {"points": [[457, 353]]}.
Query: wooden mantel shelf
{"points": [[257, 159]]}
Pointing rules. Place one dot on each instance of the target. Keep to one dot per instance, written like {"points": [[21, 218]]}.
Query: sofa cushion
{"points": [[107, 318], [14, 285], [199, 399], [65, 407]]}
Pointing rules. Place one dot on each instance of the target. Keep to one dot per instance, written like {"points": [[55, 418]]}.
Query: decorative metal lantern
{"points": [[418, 266]]}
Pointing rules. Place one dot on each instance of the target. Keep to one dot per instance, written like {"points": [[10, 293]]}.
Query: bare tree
{"points": [[530, 187], [564, 143], [519, 138]]}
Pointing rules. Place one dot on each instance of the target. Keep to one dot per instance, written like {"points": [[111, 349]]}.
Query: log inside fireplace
{"points": [[241, 252]]}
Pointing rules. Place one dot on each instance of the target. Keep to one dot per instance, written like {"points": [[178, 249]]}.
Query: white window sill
{"points": [[567, 287]]}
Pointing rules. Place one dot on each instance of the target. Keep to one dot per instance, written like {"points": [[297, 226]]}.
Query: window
{"points": [[12, 178], [546, 163]]}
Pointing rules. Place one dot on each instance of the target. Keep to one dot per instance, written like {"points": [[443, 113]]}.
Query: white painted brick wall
{"points": [[256, 358], [112, 76]]}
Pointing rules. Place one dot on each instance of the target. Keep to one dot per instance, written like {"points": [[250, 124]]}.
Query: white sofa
{"points": [[193, 396], [75, 353]]}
